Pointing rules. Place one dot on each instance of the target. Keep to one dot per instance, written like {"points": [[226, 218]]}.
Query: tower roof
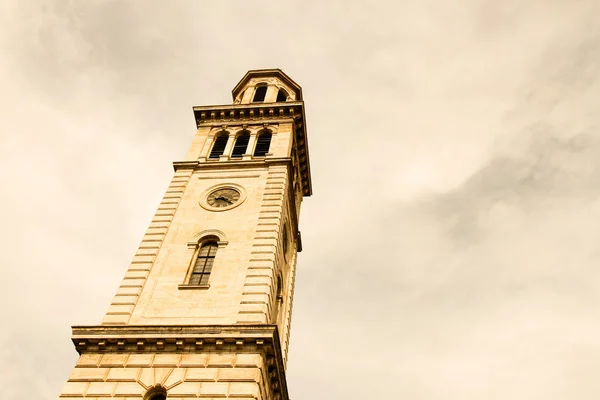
{"points": [[263, 73]]}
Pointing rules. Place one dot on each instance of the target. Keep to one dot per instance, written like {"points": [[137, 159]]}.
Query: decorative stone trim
{"points": [[183, 286], [209, 232], [186, 338], [184, 165], [247, 112]]}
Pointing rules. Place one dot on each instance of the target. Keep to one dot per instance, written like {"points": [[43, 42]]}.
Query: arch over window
{"points": [[219, 146], [203, 263], [260, 93], [281, 95], [156, 393], [241, 144], [207, 234], [263, 142]]}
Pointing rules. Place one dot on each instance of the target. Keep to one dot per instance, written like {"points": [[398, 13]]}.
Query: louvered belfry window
{"points": [[204, 263], [219, 146], [259, 94], [240, 146], [263, 142], [281, 96]]}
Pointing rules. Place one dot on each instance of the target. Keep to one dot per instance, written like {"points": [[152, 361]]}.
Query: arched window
{"points": [[259, 94], [241, 144], [263, 142], [278, 305], [219, 146], [203, 264], [281, 95], [279, 287], [284, 241]]}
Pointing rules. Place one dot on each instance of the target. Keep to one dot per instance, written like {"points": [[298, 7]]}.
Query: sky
{"points": [[451, 247]]}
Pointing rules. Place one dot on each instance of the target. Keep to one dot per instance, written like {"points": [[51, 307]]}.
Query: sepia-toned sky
{"points": [[452, 244]]}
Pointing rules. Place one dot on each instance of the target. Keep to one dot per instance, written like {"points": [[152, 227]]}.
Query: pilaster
{"points": [[259, 289]]}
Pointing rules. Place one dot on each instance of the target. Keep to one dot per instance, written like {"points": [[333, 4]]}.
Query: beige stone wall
{"points": [[131, 375], [161, 301], [132, 284]]}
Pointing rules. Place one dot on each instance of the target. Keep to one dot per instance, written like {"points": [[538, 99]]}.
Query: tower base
{"points": [[126, 362]]}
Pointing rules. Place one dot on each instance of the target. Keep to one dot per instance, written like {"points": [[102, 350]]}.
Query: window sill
{"points": [[185, 287]]}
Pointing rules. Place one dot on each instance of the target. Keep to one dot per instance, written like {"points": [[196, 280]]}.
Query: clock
{"points": [[223, 197]]}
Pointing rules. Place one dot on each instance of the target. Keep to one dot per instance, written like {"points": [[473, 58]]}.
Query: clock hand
{"points": [[224, 199]]}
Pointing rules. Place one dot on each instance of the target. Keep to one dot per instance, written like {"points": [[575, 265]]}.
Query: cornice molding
{"points": [[263, 339], [177, 165], [247, 112], [221, 165]]}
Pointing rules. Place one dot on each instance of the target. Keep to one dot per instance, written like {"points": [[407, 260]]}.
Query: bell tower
{"points": [[205, 306]]}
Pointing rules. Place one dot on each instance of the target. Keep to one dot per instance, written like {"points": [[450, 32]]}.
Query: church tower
{"points": [[204, 308]]}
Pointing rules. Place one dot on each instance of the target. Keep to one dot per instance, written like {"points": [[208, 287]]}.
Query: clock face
{"points": [[222, 198]]}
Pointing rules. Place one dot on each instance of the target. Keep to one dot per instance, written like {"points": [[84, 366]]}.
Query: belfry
{"points": [[205, 306]]}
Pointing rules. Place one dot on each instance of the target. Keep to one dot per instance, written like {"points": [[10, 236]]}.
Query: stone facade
{"points": [[227, 338]]}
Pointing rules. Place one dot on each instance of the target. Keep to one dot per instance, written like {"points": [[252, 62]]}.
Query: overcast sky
{"points": [[451, 247]]}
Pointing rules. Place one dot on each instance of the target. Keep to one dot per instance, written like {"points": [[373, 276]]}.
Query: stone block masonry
{"points": [[129, 375]]}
